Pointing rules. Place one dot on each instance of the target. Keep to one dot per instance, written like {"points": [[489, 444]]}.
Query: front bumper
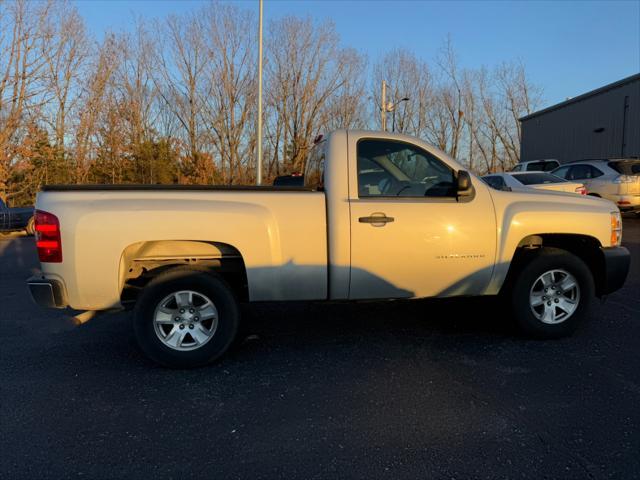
{"points": [[616, 268], [47, 292]]}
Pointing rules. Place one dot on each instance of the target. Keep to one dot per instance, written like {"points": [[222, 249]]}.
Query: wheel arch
{"points": [[140, 262], [585, 247]]}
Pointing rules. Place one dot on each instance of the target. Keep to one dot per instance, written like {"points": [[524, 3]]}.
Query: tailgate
{"points": [[629, 179], [633, 188]]}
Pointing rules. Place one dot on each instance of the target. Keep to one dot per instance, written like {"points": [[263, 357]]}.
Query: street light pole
{"points": [[259, 140], [395, 107], [383, 106]]}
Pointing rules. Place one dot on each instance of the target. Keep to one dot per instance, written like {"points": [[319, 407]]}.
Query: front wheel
{"points": [[186, 318], [551, 295]]}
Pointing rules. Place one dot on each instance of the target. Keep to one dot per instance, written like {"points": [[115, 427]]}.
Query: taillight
{"points": [[624, 179], [581, 190], [48, 237]]}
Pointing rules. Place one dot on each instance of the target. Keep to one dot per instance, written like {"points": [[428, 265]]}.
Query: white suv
{"points": [[617, 180]]}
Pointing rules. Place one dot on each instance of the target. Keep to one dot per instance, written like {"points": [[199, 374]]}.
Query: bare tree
{"points": [[230, 105], [451, 98], [137, 94], [94, 100], [24, 36], [346, 108], [519, 98], [407, 77], [65, 61], [305, 68], [179, 75]]}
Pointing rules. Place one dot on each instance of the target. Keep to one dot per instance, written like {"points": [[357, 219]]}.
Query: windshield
{"points": [[626, 167], [537, 178]]}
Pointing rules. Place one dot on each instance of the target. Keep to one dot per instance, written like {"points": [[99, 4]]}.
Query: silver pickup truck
{"points": [[380, 216]]}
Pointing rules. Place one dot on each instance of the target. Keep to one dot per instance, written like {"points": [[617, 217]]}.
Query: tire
{"points": [[184, 343], [546, 315], [30, 229]]}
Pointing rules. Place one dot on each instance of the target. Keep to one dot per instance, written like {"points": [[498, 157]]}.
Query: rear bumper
{"points": [[627, 203], [47, 292], [616, 269]]}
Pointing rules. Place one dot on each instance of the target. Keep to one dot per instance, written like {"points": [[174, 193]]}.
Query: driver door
{"points": [[410, 236]]}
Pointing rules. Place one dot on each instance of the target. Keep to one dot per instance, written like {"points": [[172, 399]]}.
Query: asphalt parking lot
{"points": [[426, 389]]}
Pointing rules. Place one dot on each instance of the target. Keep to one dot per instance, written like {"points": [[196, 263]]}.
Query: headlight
{"points": [[616, 229]]}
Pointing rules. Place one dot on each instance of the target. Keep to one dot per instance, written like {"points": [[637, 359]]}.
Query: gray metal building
{"points": [[603, 123]]}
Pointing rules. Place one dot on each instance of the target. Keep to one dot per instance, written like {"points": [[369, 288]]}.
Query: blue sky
{"points": [[568, 47]]}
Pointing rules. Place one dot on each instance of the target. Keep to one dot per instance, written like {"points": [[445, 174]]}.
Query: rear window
{"points": [[626, 167], [537, 178], [543, 166]]}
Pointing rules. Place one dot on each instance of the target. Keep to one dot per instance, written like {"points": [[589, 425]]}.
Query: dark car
{"points": [[293, 180], [18, 218]]}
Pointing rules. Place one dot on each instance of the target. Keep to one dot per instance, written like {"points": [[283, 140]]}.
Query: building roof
{"points": [[584, 96]]}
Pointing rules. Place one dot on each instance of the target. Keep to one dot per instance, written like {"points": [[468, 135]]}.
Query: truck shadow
{"points": [[387, 324], [325, 321]]}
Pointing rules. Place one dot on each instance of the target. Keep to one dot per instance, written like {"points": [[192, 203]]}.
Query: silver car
{"points": [[539, 180], [617, 180]]}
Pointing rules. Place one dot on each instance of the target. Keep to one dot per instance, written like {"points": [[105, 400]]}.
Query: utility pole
{"points": [[383, 106], [259, 159]]}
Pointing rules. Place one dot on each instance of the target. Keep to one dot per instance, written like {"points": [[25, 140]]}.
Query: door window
{"points": [[583, 172], [396, 169], [561, 172]]}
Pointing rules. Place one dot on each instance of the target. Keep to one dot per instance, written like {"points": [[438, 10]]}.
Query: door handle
{"points": [[376, 219]]}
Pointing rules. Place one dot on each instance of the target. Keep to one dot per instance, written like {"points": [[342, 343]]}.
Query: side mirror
{"points": [[464, 185]]}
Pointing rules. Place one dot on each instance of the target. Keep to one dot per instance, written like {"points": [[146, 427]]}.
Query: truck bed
{"points": [[279, 232], [147, 187]]}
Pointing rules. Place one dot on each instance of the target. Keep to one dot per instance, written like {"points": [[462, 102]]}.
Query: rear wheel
{"points": [[186, 318], [551, 295]]}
